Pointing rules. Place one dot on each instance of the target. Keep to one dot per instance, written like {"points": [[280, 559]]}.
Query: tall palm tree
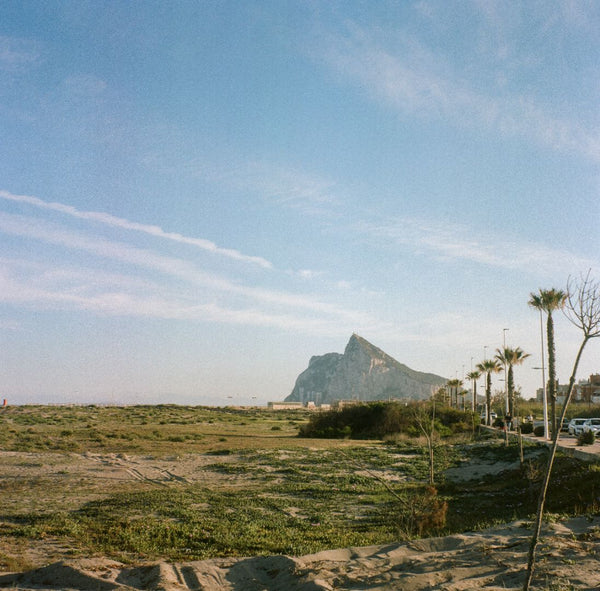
{"points": [[463, 397], [508, 358], [488, 367], [454, 388], [474, 376], [549, 300]]}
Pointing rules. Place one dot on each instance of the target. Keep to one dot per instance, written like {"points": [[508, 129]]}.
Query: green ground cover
{"points": [[251, 485]]}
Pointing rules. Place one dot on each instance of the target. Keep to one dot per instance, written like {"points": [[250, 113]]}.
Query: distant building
{"points": [[339, 404], [284, 405], [584, 391], [589, 390]]}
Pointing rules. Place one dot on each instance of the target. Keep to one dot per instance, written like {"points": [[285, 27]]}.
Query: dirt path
{"points": [[157, 472]]}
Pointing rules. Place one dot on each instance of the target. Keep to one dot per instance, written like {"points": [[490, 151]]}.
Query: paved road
{"points": [[568, 443]]}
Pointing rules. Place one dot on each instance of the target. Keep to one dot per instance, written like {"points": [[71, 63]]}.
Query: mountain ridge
{"points": [[363, 372]]}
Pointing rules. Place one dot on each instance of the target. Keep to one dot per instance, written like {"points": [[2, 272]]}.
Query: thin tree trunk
{"points": [[430, 443], [511, 391], [431, 464], [521, 457], [551, 373], [544, 490], [488, 399]]}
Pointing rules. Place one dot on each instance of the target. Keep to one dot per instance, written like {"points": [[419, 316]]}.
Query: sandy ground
{"points": [[568, 557], [491, 559]]}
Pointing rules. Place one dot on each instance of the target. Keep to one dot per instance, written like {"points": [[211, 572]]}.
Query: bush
{"points": [[427, 513], [498, 422], [460, 427], [586, 438], [376, 420], [526, 428], [538, 431]]}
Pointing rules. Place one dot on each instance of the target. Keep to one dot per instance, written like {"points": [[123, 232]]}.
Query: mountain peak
{"points": [[363, 372], [358, 342]]}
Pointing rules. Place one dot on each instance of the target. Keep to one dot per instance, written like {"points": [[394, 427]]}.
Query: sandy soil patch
{"points": [[492, 559]]}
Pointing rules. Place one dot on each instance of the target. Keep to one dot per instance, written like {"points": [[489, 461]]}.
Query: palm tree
{"points": [[440, 395], [474, 376], [508, 358], [453, 387], [488, 367], [461, 394], [549, 300]]}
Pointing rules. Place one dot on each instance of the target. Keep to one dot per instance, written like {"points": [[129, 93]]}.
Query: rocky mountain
{"points": [[363, 372]]}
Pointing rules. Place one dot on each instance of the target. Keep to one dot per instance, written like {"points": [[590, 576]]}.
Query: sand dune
{"points": [[491, 559]]}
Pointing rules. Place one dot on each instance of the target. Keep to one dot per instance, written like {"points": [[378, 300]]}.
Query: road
{"points": [[566, 442]]}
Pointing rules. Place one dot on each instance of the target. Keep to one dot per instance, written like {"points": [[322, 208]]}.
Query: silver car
{"points": [[591, 425], [576, 426]]}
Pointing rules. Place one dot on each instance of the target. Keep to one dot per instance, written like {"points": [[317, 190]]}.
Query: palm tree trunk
{"points": [[551, 373], [488, 399], [511, 392], [544, 490]]}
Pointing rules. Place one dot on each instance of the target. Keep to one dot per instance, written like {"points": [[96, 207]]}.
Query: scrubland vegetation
{"points": [[385, 419], [247, 484]]}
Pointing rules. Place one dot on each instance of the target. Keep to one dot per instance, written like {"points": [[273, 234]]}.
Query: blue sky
{"points": [[196, 197]]}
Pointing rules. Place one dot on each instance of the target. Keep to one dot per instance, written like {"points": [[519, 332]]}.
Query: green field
{"points": [[187, 483]]}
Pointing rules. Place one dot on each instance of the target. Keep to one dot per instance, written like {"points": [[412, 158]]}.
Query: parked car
{"points": [[591, 425], [576, 426], [565, 425]]}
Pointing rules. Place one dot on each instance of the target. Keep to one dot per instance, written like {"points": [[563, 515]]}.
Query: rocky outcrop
{"points": [[363, 372]]}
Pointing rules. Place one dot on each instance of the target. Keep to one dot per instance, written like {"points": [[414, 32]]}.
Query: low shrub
{"points": [[586, 438], [526, 428], [427, 513], [538, 431]]}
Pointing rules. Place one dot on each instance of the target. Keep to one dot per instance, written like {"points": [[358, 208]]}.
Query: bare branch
{"points": [[583, 310], [583, 305]]}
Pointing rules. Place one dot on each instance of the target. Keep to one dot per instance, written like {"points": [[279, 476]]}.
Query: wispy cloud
{"points": [[218, 297], [316, 198], [17, 54], [285, 185], [116, 222], [34, 285], [451, 244], [411, 81]]}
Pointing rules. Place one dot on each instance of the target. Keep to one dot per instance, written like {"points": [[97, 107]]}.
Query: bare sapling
{"points": [[583, 311], [426, 424]]}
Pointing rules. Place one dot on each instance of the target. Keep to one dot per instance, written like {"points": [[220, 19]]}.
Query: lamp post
{"points": [[505, 377]]}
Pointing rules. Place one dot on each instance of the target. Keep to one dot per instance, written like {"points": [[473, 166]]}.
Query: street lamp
{"points": [[505, 378]]}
